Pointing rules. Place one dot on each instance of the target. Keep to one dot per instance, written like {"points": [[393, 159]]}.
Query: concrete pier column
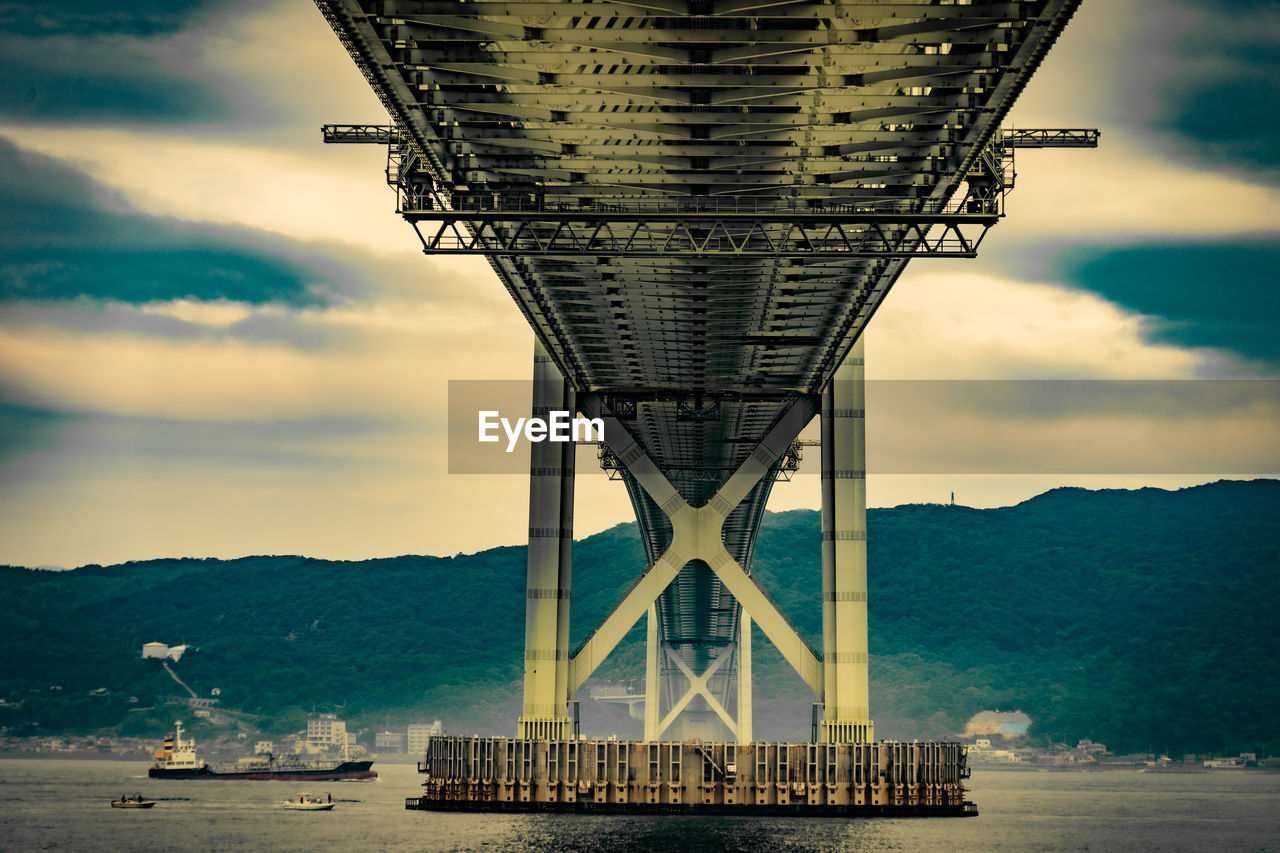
{"points": [[744, 681], [652, 691], [546, 635], [846, 697]]}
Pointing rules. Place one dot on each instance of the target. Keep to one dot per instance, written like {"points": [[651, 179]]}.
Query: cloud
{"points": [[1191, 81], [217, 67], [1220, 295], [142, 18], [945, 323], [105, 62], [388, 361], [306, 191], [26, 430], [1222, 107], [113, 488], [59, 240], [1077, 427], [1120, 193], [1174, 218]]}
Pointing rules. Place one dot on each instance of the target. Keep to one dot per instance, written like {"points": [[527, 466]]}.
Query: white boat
{"points": [[308, 803]]}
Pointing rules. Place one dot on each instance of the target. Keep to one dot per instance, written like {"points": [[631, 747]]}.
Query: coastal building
{"points": [[417, 735], [326, 732], [1235, 762], [391, 741], [162, 651]]}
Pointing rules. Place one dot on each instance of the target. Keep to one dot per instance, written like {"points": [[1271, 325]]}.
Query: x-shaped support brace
{"points": [[696, 534], [697, 685]]}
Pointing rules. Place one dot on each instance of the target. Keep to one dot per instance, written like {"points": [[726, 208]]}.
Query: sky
{"points": [[218, 339]]}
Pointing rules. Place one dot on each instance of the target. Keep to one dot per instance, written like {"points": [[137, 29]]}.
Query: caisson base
{"points": [[887, 778]]}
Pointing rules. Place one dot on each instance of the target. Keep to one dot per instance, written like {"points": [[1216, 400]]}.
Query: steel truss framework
{"points": [[684, 236], [698, 205]]}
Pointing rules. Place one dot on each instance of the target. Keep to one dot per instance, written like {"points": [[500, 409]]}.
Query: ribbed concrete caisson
{"points": [[884, 778]]}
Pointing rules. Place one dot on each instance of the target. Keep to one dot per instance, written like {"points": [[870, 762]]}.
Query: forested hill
{"points": [[1146, 619]]}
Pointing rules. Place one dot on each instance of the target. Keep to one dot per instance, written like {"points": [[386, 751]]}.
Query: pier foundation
{"points": [[887, 778]]}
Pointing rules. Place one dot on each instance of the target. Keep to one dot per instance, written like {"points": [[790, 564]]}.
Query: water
{"points": [[62, 805]]}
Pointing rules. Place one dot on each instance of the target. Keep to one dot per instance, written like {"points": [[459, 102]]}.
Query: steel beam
{"points": [[1075, 137], [361, 134], [453, 234], [697, 687]]}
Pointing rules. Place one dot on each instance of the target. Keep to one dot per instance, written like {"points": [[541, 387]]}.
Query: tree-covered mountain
{"points": [[1146, 619]]}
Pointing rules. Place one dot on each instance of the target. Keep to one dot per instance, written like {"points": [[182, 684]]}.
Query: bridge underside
{"points": [[698, 205]]}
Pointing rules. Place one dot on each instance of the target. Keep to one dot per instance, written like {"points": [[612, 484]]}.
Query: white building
{"points": [[326, 732], [390, 742], [417, 735], [160, 651], [1234, 763]]}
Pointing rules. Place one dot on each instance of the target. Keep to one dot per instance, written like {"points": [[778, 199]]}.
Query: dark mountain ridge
{"points": [[1145, 619]]}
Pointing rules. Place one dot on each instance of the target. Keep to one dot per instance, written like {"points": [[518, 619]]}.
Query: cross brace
{"points": [[696, 534], [698, 684]]}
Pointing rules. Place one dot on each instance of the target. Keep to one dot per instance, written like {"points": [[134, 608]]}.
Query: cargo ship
{"points": [[177, 759]]}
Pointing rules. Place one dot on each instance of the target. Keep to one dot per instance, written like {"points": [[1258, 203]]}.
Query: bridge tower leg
{"points": [[846, 696], [651, 688], [745, 734], [545, 713]]}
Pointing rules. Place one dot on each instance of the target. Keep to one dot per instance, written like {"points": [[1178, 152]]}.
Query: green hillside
{"points": [[1145, 619]]}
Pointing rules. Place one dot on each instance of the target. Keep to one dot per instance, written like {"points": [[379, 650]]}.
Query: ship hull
{"points": [[346, 771]]}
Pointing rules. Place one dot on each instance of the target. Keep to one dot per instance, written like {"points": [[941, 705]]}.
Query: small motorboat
{"points": [[308, 803], [132, 803]]}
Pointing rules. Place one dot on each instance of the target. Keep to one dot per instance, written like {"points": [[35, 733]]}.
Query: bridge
{"points": [[699, 206]]}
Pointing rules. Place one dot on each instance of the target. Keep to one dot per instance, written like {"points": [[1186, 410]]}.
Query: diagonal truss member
{"points": [[697, 534], [702, 235]]}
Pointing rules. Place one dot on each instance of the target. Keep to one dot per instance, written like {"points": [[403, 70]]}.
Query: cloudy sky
{"points": [[217, 339]]}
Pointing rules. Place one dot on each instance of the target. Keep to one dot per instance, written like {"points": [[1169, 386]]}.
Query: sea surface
{"points": [[63, 805]]}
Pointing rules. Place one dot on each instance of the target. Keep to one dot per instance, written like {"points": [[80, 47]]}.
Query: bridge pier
{"points": [[845, 677], [694, 777], [546, 639], [840, 679], [707, 291]]}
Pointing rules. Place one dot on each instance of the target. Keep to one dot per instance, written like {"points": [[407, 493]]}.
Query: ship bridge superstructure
{"points": [[699, 205]]}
